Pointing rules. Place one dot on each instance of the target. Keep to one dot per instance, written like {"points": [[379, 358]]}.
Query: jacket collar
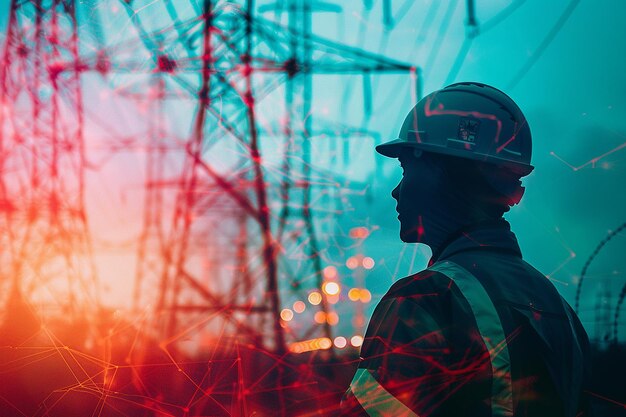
{"points": [[491, 235]]}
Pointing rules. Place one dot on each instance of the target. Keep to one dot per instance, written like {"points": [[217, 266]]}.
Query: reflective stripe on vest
{"points": [[375, 399], [491, 331]]}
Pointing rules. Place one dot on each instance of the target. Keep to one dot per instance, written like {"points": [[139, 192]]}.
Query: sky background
{"points": [[563, 62]]}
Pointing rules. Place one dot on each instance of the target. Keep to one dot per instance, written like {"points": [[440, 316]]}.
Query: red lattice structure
{"points": [[46, 244], [223, 232]]}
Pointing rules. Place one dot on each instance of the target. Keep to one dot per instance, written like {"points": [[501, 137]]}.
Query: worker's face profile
{"points": [[413, 194]]}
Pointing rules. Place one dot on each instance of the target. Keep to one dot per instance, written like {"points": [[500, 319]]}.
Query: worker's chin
{"points": [[409, 235]]}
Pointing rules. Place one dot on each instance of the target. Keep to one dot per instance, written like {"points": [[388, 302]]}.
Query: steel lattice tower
{"points": [[215, 60], [44, 235], [226, 60]]}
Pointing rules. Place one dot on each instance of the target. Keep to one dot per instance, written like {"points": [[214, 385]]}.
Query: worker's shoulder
{"points": [[422, 284]]}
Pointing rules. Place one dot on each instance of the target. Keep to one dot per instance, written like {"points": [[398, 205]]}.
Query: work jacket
{"points": [[480, 332]]}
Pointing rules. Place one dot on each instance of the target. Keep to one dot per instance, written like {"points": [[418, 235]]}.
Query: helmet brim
{"points": [[392, 149], [396, 147]]}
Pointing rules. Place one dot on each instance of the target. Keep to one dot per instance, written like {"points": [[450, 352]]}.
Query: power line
{"points": [[460, 59], [475, 31], [502, 15], [443, 29], [599, 247], [544, 44]]}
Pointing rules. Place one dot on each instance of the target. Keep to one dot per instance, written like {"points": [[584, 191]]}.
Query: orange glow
{"points": [[359, 232], [332, 318], [286, 314], [315, 298], [368, 263], [312, 344], [360, 294], [331, 288], [330, 272], [356, 341], [358, 321], [340, 342], [325, 343], [299, 306], [320, 317]]}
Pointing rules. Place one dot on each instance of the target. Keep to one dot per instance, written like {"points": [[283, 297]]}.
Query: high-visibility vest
{"points": [[377, 401]]}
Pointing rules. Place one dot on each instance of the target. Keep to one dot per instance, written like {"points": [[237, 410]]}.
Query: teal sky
{"points": [[574, 96]]}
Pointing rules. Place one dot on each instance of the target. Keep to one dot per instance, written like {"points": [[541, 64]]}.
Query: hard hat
{"points": [[467, 120]]}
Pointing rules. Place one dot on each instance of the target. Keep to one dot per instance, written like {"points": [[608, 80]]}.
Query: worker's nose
{"points": [[395, 193]]}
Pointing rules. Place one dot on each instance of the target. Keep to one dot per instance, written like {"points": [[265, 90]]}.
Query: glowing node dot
{"points": [[352, 262], [299, 306], [359, 232], [368, 263], [331, 288], [332, 318], [330, 272], [356, 341], [320, 317], [354, 294], [286, 314], [340, 342], [315, 298]]}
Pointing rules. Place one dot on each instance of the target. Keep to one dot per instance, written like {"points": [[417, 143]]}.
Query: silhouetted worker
{"points": [[480, 332]]}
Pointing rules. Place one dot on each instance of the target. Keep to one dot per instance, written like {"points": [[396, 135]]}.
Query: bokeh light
{"points": [[340, 342], [286, 314], [352, 262], [315, 298], [356, 340], [332, 318], [325, 343], [368, 263], [331, 288], [299, 306], [330, 272], [319, 317]]}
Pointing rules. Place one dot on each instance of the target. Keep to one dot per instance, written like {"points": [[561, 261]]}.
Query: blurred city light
{"points": [[356, 341], [340, 342], [315, 298], [331, 288], [286, 314], [352, 262], [319, 317], [310, 345], [299, 306], [330, 272], [368, 263], [332, 318]]}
